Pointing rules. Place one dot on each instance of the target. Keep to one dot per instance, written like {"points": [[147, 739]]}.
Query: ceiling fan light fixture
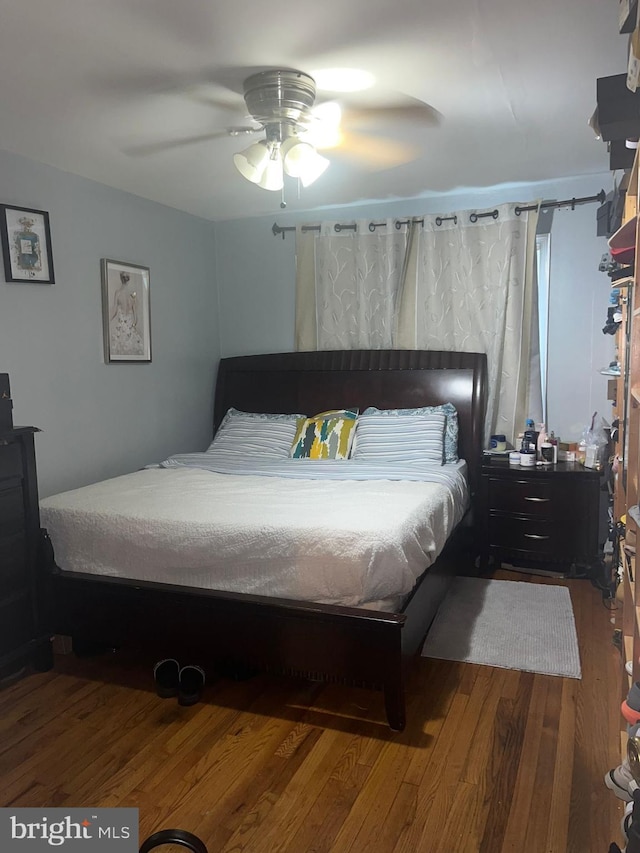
{"points": [[301, 160], [272, 176], [253, 161], [295, 153], [324, 131], [281, 102], [314, 166]]}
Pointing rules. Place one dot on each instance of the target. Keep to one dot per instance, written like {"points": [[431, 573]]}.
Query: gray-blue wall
{"points": [[99, 420], [256, 275], [222, 289], [579, 299]]}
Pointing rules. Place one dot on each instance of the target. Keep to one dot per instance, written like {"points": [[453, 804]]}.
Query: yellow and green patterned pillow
{"points": [[328, 435]]}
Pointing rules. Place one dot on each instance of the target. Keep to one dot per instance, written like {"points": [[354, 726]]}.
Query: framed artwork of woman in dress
{"points": [[125, 312], [26, 245]]}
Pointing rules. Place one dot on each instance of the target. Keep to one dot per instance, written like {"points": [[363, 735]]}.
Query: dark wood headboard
{"points": [[312, 382]]}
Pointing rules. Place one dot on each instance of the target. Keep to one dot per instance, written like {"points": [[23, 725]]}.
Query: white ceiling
{"points": [[85, 82]]}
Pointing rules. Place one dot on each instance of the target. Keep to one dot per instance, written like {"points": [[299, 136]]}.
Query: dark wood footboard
{"points": [[238, 632], [227, 630]]}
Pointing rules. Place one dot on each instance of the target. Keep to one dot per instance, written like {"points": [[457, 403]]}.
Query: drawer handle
{"points": [[538, 500], [535, 536]]}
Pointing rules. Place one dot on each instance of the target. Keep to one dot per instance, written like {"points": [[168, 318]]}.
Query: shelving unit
{"points": [[630, 633], [627, 486], [623, 345]]}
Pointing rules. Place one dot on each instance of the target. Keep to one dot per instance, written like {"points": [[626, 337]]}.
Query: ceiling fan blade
{"points": [[144, 149], [410, 111], [218, 87], [225, 102], [377, 153]]}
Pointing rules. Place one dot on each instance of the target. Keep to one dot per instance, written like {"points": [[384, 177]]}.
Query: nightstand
{"points": [[546, 516]]}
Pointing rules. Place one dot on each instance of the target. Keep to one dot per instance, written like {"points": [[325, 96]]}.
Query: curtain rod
{"points": [[278, 230]]}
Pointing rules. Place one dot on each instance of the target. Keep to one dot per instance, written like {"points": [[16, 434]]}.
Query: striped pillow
{"points": [[411, 438], [255, 434], [450, 427]]}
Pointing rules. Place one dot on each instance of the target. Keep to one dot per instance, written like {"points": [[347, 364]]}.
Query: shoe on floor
{"points": [[625, 823], [633, 696], [618, 780], [630, 714], [166, 676], [191, 683]]}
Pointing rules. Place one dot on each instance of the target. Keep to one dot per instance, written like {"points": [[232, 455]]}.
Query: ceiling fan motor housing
{"points": [[280, 100]]}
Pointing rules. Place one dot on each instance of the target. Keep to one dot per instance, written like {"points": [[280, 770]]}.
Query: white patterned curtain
{"points": [[471, 285], [347, 285], [467, 284]]}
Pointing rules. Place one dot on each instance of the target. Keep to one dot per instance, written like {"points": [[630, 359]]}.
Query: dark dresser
{"points": [[23, 638], [541, 515]]}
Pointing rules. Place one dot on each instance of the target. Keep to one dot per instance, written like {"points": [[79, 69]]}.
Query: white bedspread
{"points": [[349, 542]]}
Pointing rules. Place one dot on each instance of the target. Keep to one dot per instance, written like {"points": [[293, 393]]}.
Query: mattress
{"points": [[360, 543]]}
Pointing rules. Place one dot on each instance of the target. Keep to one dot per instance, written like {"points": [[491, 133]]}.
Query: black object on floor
{"points": [[190, 685], [174, 836], [166, 674], [236, 671], [633, 833]]}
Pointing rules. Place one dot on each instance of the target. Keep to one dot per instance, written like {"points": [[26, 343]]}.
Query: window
{"points": [[543, 254]]}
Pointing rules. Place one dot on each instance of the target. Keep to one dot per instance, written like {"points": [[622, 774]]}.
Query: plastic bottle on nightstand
{"points": [[530, 436], [542, 439]]}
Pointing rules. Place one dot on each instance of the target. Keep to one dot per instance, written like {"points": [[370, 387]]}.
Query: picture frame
{"points": [[25, 235], [126, 316]]}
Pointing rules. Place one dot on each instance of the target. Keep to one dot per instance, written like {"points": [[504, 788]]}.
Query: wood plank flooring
{"points": [[491, 761]]}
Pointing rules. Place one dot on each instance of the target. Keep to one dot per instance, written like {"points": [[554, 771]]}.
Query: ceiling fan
{"points": [[281, 103]]}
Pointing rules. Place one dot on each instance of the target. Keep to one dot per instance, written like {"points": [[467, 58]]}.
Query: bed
{"points": [[297, 630]]}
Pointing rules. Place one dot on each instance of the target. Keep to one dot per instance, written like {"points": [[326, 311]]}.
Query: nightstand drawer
{"points": [[556, 540], [542, 498]]}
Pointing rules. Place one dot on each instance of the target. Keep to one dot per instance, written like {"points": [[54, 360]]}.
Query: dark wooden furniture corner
{"points": [[23, 639]]}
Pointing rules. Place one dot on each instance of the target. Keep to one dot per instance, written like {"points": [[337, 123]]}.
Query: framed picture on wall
{"points": [[125, 312], [26, 245]]}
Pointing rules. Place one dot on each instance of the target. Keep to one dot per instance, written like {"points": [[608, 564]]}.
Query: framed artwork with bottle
{"points": [[26, 245]]}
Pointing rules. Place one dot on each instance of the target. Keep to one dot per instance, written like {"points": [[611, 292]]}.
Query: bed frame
{"points": [[322, 642]]}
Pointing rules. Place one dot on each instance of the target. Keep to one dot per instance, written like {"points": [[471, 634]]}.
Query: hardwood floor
{"points": [[491, 761]]}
